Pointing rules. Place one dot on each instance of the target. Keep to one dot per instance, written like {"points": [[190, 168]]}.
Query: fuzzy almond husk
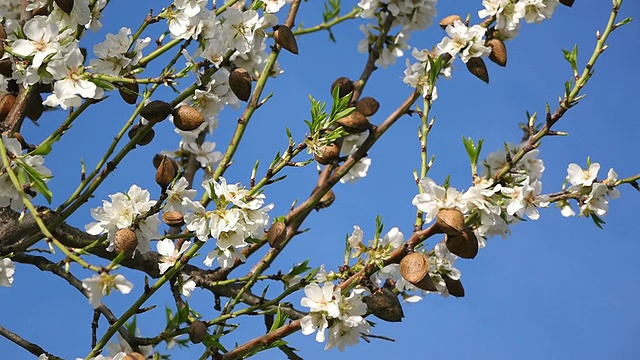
{"points": [[146, 139], [157, 159], [345, 84], [197, 331], [165, 172], [126, 240], [328, 154], [6, 69], [240, 83], [450, 221], [367, 106], [129, 92], [187, 118], [476, 66], [326, 200], [354, 123], [414, 268], [65, 5], [134, 356], [568, 3], [3, 37], [454, 286], [449, 20], [173, 218], [7, 101], [35, 108], [284, 37], [277, 233], [384, 304], [498, 51], [464, 244], [156, 111]]}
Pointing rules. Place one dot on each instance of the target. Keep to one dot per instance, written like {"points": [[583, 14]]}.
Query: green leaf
{"points": [[572, 57], [212, 341], [598, 221], [38, 180], [280, 320], [623, 22]]}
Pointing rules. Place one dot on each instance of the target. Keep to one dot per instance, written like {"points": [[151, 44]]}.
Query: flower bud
{"points": [[354, 123], [240, 83], [7, 101], [156, 111], [450, 221], [367, 106], [187, 118], [345, 85], [414, 268], [197, 331], [449, 20], [126, 240], [146, 139], [498, 51], [277, 233], [173, 218], [328, 154], [464, 244], [165, 172], [476, 66], [384, 304], [284, 37], [129, 92], [65, 5], [454, 287]]}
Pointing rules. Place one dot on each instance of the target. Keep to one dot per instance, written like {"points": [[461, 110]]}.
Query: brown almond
{"points": [[498, 51], [42, 11], [326, 200], [367, 106], [327, 154], [146, 139], [240, 83], [449, 20], [284, 37], [129, 92], [35, 108], [450, 221], [277, 233], [345, 84], [464, 244], [3, 37], [454, 287], [156, 111], [7, 101], [476, 66], [187, 118], [568, 3], [197, 331], [173, 218], [6, 68], [355, 122], [384, 304], [165, 172], [157, 159], [414, 268], [65, 5], [126, 240]]}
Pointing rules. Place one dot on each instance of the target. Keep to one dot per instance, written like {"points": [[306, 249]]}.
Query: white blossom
{"points": [[99, 285], [169, 253], [41, 40], [578, 177], [7, 269], [463, 40]]}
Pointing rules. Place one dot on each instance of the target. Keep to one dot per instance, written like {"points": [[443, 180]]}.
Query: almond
{"points": [[240, 83], [187, 118], [384, 304], [165, 172], [327, 154], [498, 51], [126, 240], [197, 331], [450, 221], [414, 268], [345, 85], [156, 111], [476, 66], [464, 244], [277, 233], [173, 218], [355, 122], [284, 37], [65, 5], [146, 139], [367, 106], [449, 20]]}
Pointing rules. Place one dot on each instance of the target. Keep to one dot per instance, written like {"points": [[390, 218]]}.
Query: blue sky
{"points": [[557, 288]]}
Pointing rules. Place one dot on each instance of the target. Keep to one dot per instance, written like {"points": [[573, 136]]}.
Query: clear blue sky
{"points": [[557, 288]]}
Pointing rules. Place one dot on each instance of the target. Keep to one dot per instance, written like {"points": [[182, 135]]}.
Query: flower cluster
{"points": [[494, 206], [417, 74], [117, 52], [237, 217], [329, 309], [25, 166], [121, 213], [509, 14], [465, 41], [590, 193]]}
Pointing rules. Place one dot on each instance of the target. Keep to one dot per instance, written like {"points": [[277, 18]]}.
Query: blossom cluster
{"points": [[592, 195], [9, 195], [329, 309], [509, 14]]}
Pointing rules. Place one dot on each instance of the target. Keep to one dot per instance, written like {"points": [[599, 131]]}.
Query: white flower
{"points": [[342, 335], [355, 241], [7, 269], [536, 10], [273, 6], [120, 346], [578, 177], [175, 195], [205, 153], [71, 81], [100, 285], [186, 284], [312, 322], [323, 299], [525, 199], [358, 171], [596, 202], [239, 28], [226, 257], [41, 40], [191, 8], [434, 198], [114, 55], [169, 253], [463, 40], [196, 218]]}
